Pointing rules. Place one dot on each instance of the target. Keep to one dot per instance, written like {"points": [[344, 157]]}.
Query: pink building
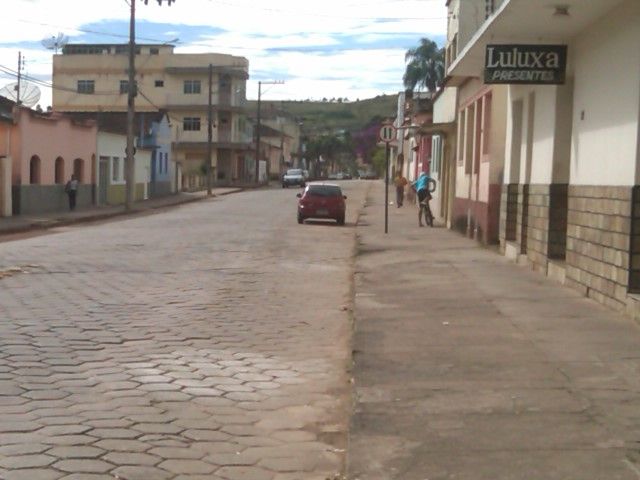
{"points": [[45, 149]]}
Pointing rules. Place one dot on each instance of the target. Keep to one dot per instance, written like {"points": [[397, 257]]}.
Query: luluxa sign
{"points": [[525, 64]]}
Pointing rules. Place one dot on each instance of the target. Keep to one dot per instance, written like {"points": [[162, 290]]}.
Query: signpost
{"points": [[387, 134], [525, 64]]}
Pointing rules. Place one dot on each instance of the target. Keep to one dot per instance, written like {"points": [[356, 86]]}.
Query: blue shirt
{"points": [[421, 183]]}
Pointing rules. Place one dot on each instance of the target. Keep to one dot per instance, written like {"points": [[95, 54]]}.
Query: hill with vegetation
{"points": [[332, 116]]}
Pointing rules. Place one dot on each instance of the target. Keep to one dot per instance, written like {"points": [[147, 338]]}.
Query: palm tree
{"points": [[425, 66]]}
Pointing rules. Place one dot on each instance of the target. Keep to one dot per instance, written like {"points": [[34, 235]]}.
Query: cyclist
{"points": [[423, 186]]}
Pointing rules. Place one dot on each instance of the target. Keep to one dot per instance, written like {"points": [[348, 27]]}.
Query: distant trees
{"points": [[335, 149], [425, 66]]}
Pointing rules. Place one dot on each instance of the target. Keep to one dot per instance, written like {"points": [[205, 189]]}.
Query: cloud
{"points": [[346, 48]]}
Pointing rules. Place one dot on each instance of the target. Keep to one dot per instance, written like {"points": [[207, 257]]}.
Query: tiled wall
{"points": [[599, 225]]}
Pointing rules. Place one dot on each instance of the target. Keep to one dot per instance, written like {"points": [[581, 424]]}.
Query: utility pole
{"points": [[257, 173], [19, 78], [260, 83], [209, 130], [129, 166]]}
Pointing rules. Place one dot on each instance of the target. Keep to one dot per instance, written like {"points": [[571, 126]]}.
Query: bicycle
{"points": [[424, 208]]}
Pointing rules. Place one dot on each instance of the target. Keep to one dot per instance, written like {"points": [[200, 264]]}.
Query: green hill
{"points": [[331, 116]]}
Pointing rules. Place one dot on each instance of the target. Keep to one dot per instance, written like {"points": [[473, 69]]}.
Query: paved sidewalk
{"points": [[25, 223], [467, 366]]}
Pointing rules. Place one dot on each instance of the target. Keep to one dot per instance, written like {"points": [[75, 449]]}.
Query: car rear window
{"points": [[324, 191], [294, 172]]}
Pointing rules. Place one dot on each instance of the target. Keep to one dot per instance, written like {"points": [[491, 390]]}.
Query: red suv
{"points": [[322, 200]]}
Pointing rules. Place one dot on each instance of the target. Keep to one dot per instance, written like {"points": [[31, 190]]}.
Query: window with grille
{"points": [[489, 7], [124, 86], [86, 86], [191, 86], [116, 169], [191, 124]]}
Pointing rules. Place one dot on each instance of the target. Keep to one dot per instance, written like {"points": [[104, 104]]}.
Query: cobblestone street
{"points": [[206, 342]]}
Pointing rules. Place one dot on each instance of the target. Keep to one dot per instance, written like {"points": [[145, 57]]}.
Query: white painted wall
{"points": [[113, 145], [497, 136], [444, 107], [549, 137], [606, 100]]}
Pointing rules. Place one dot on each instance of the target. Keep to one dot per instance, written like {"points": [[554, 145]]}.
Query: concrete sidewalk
{"points": [[25, 223], [467, 366]]}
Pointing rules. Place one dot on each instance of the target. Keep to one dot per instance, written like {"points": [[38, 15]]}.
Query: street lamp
{"points": [[129, 171]]}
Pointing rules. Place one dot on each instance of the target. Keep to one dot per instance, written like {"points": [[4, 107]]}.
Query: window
{"points": [[488, 8], [159, 83], [191, 86], [86, 86], [34, 170], [154, 50], [115, 165], [323, 190], [59, 170], [124, 86], [166, 162], [78, 169], [191, 124]]}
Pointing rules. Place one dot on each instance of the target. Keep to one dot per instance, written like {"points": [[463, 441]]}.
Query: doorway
{"points": [[103, 184]]}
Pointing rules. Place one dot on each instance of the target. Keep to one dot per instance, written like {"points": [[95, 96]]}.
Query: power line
{"points": [[43, 83]]}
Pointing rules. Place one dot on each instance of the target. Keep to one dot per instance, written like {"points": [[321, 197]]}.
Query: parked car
{"points": [[294, 176], [368, 175], [322, 200]]}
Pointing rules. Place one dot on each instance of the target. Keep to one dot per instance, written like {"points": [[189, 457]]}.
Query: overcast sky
{"points": [[330, 48]]}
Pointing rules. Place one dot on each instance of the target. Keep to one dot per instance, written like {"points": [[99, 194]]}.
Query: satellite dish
{"points": [[29, 93], [55, 42]]}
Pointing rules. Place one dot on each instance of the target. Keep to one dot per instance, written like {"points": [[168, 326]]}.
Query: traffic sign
{"points": [[387, 133]]}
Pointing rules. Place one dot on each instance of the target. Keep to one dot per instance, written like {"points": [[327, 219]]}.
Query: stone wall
{"points": [[558, 211], [28, 199], [598, 230], [522, 218], [538, 226]]}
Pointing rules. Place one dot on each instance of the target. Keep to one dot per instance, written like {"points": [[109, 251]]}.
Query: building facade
{"points": [[480, 134], [41, 151], [93, 78], [572, 155], [110, 176]]}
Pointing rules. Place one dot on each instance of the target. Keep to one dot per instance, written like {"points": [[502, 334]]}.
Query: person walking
{"points": [[400, 182], [72, 190], [423, 186]]}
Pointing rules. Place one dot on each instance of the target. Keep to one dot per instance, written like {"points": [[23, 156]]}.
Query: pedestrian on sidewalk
{"points": [[423, 186], [400, 182], [71, 188]]}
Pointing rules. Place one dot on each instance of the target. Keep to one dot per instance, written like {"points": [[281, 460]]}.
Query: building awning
{"points": [[530, 22]]}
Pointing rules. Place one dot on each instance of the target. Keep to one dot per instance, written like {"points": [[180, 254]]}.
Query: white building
{"points": [[572, 156]]}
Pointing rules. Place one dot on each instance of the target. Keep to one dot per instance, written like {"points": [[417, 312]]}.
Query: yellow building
{"points": [[93, 78]]}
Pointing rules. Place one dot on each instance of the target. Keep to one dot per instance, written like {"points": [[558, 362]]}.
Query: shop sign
{"points": [[525, 64]]}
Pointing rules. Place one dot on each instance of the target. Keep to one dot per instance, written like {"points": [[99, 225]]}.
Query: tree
{"points": [[425, 66], [379, 160]]}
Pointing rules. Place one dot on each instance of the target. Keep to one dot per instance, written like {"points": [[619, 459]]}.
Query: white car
{"points": [[294, 176]]}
